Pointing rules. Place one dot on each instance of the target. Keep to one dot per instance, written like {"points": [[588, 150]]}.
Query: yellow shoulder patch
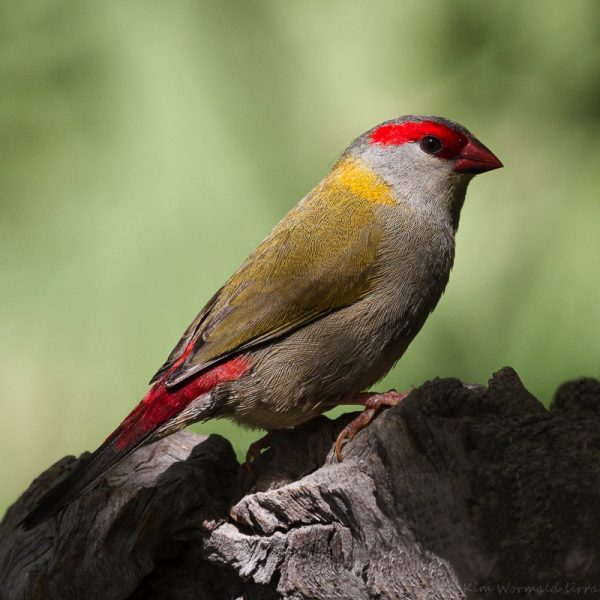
{"points": [[362, 182]]}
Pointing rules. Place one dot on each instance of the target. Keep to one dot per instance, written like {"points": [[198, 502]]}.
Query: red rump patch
{"points": [[161, 403], [414, 131]]}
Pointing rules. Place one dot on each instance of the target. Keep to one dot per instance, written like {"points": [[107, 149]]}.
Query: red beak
{"points": [[476, 158]]}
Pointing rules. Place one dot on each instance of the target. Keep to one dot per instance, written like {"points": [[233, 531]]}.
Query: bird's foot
{"points": [[372, 403], [255, 449]]}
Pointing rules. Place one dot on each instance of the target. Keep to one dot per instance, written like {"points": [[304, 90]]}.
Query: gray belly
{"points": [[318, 367]]}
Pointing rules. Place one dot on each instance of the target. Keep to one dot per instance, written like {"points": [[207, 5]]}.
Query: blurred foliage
{"points": [[146, 147]]}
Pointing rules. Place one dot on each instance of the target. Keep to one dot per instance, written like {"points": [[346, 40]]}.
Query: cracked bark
{"points": [[459, 491]]}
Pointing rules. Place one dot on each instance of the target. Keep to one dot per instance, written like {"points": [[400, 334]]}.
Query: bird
{"points": [[323, 308]]}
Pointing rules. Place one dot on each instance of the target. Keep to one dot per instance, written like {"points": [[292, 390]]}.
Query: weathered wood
{"points": [[460, 491]]}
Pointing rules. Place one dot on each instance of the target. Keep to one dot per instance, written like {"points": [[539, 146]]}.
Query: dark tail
{"points": [[154, 417], [143, 425], [82, 479]]}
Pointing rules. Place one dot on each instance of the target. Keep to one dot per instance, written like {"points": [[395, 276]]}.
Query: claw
{"points": [[255, 449], [372, 403]]}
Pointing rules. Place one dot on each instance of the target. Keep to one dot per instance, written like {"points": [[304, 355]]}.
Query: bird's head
{"points": [[427, 161]]}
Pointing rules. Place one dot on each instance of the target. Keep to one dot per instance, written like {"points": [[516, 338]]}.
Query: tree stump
{"points": [[460, 491]]}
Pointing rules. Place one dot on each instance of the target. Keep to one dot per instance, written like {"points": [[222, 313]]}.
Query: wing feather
{"points": [[321, 257]]}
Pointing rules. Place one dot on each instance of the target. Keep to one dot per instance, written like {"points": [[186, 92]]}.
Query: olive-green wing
{"points": [[320, 258]]}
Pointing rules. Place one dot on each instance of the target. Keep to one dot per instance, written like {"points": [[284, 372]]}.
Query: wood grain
{"points": [[460, 491]]}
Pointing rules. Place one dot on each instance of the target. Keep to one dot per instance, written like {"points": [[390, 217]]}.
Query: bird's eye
{"points": [[431, 144]]}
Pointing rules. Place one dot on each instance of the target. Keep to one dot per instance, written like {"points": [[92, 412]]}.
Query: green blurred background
{"points": [[147, 147]]}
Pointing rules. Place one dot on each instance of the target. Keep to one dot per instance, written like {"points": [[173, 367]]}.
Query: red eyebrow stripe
{"points": [[412, 131]]}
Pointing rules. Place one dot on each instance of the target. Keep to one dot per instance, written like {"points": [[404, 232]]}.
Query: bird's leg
{"points": [[255, 449], [372, 403]]}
